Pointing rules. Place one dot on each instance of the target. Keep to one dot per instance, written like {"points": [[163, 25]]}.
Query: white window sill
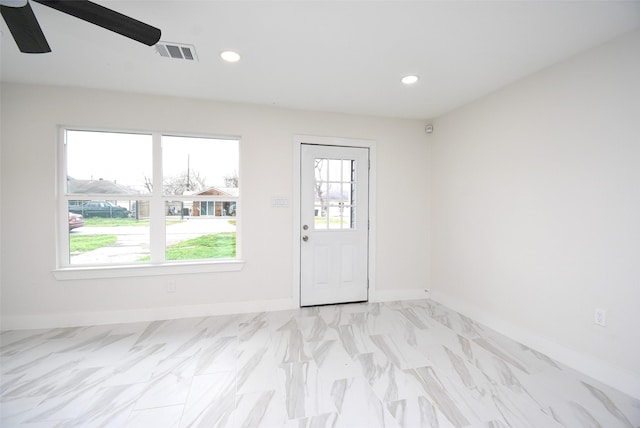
{"points": [[93, 272]]}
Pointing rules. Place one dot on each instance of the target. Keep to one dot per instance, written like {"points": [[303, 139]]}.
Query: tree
{"points": [[148, 184], [318, 187], [191, 181], [231, 179]]}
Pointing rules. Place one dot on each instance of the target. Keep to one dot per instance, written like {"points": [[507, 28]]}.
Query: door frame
{"points": [[298, 140]]}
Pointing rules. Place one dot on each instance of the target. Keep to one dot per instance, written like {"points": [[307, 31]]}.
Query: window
{"points": [[147, 199], [334, 187]]}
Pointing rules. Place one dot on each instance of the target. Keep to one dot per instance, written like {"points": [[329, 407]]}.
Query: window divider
{"points": [[158, 226]]}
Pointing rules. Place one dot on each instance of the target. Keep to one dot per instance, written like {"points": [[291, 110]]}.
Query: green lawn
{"points": [[216, 246], [113, 222], [84, 243]]}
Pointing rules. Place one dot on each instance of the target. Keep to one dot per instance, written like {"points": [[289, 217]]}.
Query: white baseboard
{"points": [[393, 295], [616, 377], [61, 320], [75, 319]]}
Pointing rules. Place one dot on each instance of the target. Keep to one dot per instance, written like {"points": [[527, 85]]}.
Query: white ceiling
{"points": [[340, 56]]}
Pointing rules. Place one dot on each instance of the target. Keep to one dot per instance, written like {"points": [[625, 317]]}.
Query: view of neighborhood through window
{"points": [[334, 188], [149, 198]]}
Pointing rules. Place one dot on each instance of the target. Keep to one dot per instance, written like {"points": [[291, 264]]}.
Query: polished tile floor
{"points": [[400, 364]]}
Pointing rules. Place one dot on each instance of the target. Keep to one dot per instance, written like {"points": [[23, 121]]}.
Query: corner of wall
{"points": [[616, 377]]}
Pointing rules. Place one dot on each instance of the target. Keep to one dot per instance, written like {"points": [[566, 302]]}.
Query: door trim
{"points": [[298, 140]]}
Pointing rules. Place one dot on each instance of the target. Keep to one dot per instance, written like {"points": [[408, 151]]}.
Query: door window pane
{"points": [[334, 188]]}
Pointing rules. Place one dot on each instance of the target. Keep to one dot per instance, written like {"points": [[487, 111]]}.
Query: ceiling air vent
{"points": [[176, 50]]}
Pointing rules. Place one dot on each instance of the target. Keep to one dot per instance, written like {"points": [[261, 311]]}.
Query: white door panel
{"points": [[334, 218]]}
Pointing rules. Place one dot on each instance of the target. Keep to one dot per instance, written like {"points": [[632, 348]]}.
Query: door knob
{"points": [[305, 238]]}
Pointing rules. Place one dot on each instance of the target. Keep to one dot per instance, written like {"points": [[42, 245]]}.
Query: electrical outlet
{"points": [[601, 317], [171, 286]]}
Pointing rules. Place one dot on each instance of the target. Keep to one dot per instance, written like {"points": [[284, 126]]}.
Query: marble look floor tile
{"points": [[316, 329], [387, 380], [256, 369], [489, 424], [453, 399], [358, 405], [399, 352], [13, 412], [436, 392], [221, 326], [400, 364], [457, 368], [253, 326], [333, 360], [521, 410], [161, 417], [327, 420], [573, 401], [306, 392], [109, 406], [170, 383], [260, 409], [211, 401], [287, 320], [190, 343], [500, 353], [218, 353], [617, 408], [289, 345], [459, 323], [356, 339], [58, 398], [417, 412], [38, 377], [137, 366], [336, 315], [531, 360], [499, 372]]}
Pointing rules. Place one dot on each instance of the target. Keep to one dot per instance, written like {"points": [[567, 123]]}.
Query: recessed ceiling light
{"points": [[410, 80], [230, 56]]}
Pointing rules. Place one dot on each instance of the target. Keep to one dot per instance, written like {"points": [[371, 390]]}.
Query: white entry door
{"points": [[334, 224]]}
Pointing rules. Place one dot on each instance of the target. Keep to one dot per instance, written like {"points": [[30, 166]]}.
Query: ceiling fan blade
{"points": [[107, 18], [25, 29]]}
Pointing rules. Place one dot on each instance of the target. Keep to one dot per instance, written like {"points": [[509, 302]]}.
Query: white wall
{"points": [[536, 210], [31, 297], [1, 241]]}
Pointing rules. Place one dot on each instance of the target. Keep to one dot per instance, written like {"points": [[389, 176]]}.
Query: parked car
{"points": [[100, 209], [75, 221]]}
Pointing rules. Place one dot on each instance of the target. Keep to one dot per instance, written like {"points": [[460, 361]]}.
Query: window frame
{"points": [[157, 231]]}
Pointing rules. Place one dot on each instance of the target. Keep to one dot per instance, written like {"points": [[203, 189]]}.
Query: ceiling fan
{"points": [[29, 37]]}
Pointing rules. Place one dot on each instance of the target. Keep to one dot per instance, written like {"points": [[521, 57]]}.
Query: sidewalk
{"points": [[133, 241]]}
